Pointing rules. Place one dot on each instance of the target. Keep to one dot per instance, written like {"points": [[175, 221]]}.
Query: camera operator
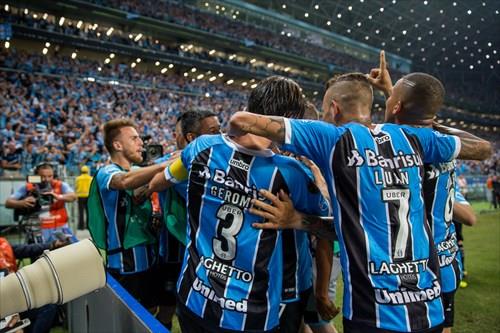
{"points": [[44, 197]]}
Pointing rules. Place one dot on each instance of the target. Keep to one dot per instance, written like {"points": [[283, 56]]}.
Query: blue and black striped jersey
{"points": [[390, 266], [126, 261], [439, 195], [232, 273]]}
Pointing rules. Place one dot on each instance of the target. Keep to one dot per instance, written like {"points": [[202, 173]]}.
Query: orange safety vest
{"points": [[7, 258], [57, 216]]}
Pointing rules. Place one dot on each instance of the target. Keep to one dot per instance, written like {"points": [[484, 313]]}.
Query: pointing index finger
{"points": [[382, 61]]}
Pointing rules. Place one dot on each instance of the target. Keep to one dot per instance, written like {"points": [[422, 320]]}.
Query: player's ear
{"points": [[336, 108], [397, 108], [117, 145], [190, 137]]}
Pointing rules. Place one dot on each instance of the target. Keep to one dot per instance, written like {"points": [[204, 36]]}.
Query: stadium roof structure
{"points": [[453, 38]]}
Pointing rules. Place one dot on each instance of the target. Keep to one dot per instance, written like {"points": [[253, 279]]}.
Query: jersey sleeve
{"points": [[313, 139], [438, 147], [306, 196], [20, 193], [66, 188], [105, 175]]}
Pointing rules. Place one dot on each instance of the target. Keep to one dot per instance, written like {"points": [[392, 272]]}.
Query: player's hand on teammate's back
{"points": [[280, 215]]}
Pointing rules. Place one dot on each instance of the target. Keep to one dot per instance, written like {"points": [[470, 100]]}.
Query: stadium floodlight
{"points": [[213, 78], [79, 24], [99, 69], [328, 22], [207, 94], [283, 6], [244, 84], [130, 36], [270, 64], [221, 74], [7, 44], [45, 50], [404, 32], [253, 60], [45, 16], [138, 37], [157, 63], [164, 70], [171, 66], [381, 9], [26, 11], [200, 76], [287, 69], [107, 60], [111, 55], [349, 8], [133, 65], [138, 60], [229, 82], [306, 14], [186, 74], [35, 16], [211, 52], [73, 55], [206, 4], [6, 7], [316, 7], [47, 44], [315, 93], [110, 31], [91, 79], [253, 86], [339, 15], [61, 20], [193, 69]]}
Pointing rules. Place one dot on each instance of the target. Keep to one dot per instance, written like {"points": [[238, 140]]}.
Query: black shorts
{"points": [[191, 323], [291, 317], [164, 281], [139, 285], [353, 327], [449, 308]]}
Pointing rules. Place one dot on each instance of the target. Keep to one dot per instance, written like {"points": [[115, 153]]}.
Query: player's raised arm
{"points": [[472, 147], [380, 77], [269, 127]]}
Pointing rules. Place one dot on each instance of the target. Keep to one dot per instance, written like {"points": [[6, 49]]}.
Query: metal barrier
{"points": [[111, 309]]}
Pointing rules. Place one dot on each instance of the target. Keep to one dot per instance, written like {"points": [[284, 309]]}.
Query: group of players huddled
{"points": [[241, 213]]}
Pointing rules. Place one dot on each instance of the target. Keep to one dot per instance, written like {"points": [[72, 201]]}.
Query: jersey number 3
{"points": [[230, 223]]}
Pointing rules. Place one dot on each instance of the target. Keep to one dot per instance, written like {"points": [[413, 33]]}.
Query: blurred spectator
{"points": [[82, 186]]}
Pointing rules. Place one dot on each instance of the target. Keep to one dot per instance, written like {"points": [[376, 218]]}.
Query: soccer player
{"points": [[391, 273], [189, 126], [415, 101], [232, 273], [131, 266]]}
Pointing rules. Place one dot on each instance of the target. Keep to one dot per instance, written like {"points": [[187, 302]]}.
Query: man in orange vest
{"points": [[82, 186], [53, 217]]}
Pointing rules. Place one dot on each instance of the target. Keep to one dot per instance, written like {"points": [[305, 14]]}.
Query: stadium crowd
{"points": [[90, 31], [58, 121], [56, 118], [184, 14]]}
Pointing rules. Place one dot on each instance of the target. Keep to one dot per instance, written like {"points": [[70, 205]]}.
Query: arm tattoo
{"points": [[272, 128], [322, 227]]}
